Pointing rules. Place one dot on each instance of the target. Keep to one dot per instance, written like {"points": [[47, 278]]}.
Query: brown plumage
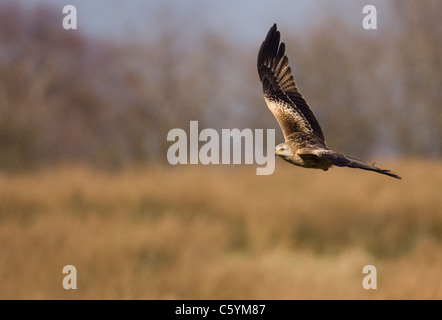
{"points": [[304, 143]]}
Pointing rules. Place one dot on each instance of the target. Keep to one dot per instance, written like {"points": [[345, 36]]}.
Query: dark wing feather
{"points": [[280, 91]]}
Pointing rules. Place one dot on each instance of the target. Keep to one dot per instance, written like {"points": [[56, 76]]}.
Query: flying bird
{"points": [[304, 144]]}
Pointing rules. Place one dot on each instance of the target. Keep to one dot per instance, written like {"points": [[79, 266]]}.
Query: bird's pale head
{"points": [[283, 150]]}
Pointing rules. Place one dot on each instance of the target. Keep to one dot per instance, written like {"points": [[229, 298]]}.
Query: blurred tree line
{"points": [[66, 97]]}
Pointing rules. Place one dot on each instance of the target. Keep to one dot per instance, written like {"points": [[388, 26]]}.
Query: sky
{"points": [[242, 20]]}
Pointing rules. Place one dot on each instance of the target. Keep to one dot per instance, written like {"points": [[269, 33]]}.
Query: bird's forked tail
{"points": [[341, 160]]}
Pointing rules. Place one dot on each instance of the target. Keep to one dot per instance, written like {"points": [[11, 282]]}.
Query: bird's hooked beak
{"points": [[279, 151]]}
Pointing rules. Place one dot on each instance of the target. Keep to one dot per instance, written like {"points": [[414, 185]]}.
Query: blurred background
{"points": [[84, 178]]}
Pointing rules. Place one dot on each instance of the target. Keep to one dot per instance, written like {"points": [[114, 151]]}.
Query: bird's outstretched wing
{"points": [[280, 91]]}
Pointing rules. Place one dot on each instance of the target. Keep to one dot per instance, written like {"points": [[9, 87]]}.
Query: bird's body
{"points": [[304, 144], [303, 151]]}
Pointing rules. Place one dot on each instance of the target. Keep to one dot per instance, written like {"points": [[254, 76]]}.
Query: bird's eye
{"points": [[282, 149]]}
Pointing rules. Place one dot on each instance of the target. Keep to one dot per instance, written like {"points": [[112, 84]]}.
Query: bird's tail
{"points": [[341, 160]]}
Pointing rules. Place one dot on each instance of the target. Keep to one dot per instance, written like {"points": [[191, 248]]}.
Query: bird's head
{"points": [[283, 150]]}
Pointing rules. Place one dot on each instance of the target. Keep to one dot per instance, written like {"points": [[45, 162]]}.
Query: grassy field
{"points": [[192, 232]]}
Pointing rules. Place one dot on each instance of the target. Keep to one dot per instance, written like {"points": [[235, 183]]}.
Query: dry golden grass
{"points": [[222, 233]]}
